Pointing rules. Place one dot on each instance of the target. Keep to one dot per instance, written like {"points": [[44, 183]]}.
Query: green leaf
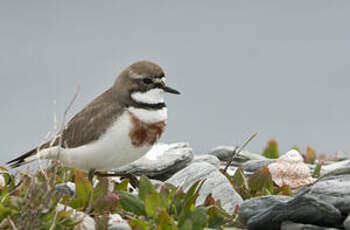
{"points": [[145, 187], [3, 168], [154, 202], [101, 189], [122, 186], [189, 201], [132, 203], [138, 224], [238, 182], [199, 218], [284, 190], [260, 183], [165, 222], [83, 186]]}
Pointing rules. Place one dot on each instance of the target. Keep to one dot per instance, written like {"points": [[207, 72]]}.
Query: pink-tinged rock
{"points": [[291, 170]]}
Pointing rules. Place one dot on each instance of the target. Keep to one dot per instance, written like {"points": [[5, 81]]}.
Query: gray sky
{"points": [[277, 67]]}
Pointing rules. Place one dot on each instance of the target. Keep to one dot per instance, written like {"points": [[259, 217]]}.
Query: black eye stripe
{"points": [[147, 81]]}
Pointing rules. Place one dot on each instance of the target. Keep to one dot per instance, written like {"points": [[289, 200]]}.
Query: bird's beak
{"points": [[170, 90]]}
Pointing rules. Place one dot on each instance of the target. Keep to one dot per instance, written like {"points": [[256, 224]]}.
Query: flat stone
{"points": [[305, 209], [161, 162], [258, 205], [116, 222], [86, 222], [211, 159], [224, 153], [347, 223], [254, 165], [287, 225], [67, 188], [334, 166], [231, 170], [334, 190], [216, 184]]}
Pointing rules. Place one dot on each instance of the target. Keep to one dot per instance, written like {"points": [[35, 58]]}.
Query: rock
{"points": [[347, 223], [116, 222], [66, 188], [342, 155], [305, 209], [216, 184], [287, 225], [161, 162], [258, 205], [85, 221], [334, 166], [231, 170], [224, 153], [213, 160], [334, 190], [291, 170], [254, 165]]}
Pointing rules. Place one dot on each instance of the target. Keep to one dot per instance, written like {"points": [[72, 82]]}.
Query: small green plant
{"points": [[271, 150], [31, 203], [317, 171], [258, 184]]}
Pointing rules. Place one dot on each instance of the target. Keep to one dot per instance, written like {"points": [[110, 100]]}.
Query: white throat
{"points": [[152, 96]]}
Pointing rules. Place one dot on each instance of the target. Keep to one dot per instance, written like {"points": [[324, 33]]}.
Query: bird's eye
{"points": [[147, 81]]}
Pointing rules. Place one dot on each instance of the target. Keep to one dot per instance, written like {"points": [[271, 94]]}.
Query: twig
{"points": [[126, 213], [60, 134], [238, 149], [11, 223]]}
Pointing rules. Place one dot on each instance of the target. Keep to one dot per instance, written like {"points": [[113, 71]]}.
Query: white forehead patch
{"points": [[152, 96]]}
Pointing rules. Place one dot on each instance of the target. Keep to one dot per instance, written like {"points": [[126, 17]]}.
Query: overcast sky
{"points": [[277, 67]]}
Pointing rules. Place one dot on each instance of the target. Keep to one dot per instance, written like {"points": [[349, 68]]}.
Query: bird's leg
{"points": [[91, 174], [90, 177], [133, 180]]}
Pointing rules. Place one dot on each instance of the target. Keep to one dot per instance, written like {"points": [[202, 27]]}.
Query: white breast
{"points": [[112, 150]]}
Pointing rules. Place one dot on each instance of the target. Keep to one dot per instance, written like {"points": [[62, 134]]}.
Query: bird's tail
{"points": [[34, 154]]}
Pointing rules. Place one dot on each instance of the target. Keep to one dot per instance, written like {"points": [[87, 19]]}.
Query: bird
{"points": [[116, 128]]}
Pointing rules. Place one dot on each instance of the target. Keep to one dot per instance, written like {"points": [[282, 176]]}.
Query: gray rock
{"points": [[216, 184], [116, 222], [334, 190], [287, 225], [224, 153], [231, 170], [65, 188], [258, 205], [254, 165], [211, 159], [342, 155], [86, 222], [334, 166], [347, 223], [161, 162], [302, 209]]}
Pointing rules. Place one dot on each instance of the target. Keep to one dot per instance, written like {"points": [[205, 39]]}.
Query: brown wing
{"points": [[92, 121], [84, 127]]}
